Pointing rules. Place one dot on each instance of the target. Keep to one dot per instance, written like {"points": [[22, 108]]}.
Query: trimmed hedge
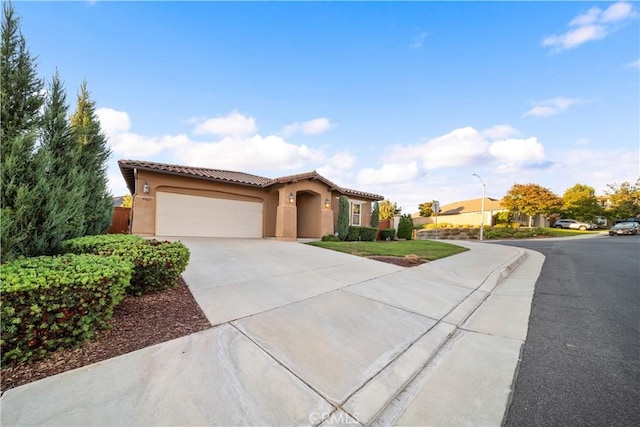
{"points": [[48, 303], [92, 244], [367, 234], [156, 265], [388, 233]]}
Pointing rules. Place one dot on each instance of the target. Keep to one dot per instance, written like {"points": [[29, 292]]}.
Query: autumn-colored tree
{"points": [[425, 209], [531, 200], [580, 202], [625, 200], [388, 209]]}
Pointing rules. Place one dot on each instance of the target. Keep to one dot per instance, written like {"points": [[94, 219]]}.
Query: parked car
{"points": [[574, 224], [624, 228]]}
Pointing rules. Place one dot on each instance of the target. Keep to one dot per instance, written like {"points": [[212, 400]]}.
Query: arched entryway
{"points": [[309, 214]]}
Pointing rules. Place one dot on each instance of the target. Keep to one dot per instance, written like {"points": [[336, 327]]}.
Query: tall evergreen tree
{"points": [[62, 209], [21, 171], [94, 153]]}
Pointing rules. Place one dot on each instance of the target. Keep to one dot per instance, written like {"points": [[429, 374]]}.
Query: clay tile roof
{"points": [[473, 205], [127, 167]]}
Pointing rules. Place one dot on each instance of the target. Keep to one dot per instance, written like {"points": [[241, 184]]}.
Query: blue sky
{"points": [[406, 100]]}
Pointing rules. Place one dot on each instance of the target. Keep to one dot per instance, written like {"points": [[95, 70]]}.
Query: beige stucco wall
{"points": [[365, 212], [307, 216]]}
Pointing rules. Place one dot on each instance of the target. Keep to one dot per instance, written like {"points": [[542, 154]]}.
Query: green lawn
{"points": [[527, 233], [561, 232], [425, 249]]}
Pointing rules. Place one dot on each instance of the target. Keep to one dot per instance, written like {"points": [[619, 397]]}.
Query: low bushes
{"points": [[330, 238], [50, 303], [92, 244], [368, 234], [388, 233], [156, 265]]}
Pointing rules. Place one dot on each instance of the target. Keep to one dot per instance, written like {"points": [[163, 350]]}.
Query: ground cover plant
{"points": [[423, 249], [452, 232]]}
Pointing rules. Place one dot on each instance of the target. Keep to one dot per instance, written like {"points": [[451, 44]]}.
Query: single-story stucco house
{"points": [[172, 200], [469, 212]]}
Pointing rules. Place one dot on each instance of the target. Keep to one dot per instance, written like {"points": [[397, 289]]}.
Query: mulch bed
{"points": [[401, 261], [137, 322]]}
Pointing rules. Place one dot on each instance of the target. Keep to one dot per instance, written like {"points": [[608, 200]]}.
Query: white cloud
{"points": [[389, 173], [310, 127], [233, 124], [132, 145], [239, 148], [255, 152], [595, 24], [113, 121], [517, 150], [633, 64], [500, 132], [551, 107], [418, 40], [618, 12]]}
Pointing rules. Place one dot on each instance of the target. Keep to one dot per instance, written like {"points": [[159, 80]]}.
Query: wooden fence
{"points": [[120, 220]]}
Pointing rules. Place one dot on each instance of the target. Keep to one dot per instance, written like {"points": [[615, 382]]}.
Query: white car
{"points": [[574, 224]]}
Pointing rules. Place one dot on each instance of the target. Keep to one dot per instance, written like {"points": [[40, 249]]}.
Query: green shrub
{"points": [[330, 238], [92, 244], [388, 233], [48, 303], [156, 265], [405, 227], [367, 234]]}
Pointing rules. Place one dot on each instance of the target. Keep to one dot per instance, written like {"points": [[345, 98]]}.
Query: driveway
{"points": [[301, 336]]}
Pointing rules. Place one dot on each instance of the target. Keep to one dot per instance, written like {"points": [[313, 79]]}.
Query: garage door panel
{"points": [[186, 215]]}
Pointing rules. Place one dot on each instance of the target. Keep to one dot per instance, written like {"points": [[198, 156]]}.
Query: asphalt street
{"points": [[581, 359]]}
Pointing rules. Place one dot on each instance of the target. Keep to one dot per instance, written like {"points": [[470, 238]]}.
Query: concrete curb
{"points": [[403, 388]]}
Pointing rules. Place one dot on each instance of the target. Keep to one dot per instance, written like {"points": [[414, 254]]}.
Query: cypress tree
{"points": [[94, 153], [375, 215], [21, 171], [62, 208], [343, 217]]}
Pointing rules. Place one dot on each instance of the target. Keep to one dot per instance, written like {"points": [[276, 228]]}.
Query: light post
{"points": [[482, 207]]}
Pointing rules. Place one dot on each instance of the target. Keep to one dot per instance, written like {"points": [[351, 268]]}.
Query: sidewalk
{"points": [[339, 340]]}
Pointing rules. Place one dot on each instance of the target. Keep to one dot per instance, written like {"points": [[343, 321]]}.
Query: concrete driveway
{"points": [[303, 336]]}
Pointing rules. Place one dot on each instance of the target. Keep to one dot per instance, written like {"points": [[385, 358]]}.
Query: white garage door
{"points": [[184, 215]]}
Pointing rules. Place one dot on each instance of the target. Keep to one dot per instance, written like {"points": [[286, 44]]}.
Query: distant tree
{"points": [[580, 202], [625, 199], [388, 210], [531, 200], [127, 201], [375, 215], [405, 227], [343, 217], [425, 209], [94, 154], [21, 171]]}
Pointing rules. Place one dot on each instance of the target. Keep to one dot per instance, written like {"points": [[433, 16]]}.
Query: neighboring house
{"points": [[117, 200], [172, 200], [469, 212]]}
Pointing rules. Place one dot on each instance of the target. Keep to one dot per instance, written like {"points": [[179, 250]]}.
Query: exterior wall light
{"points": [[326, 203], [146, 188], [292, 198]]}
